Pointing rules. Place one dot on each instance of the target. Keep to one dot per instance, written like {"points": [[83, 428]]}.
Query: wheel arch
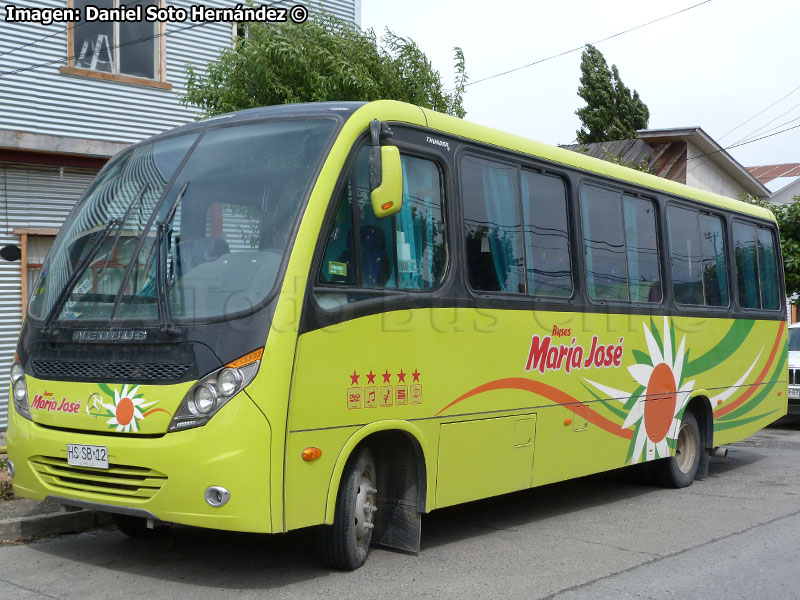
{"points": [[379, 435], [700, 406]]}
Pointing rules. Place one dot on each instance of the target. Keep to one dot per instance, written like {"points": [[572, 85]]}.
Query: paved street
{"points": [[733, 535]]}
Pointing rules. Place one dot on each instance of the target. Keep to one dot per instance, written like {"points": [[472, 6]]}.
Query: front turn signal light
{"points": [[311, 453]]}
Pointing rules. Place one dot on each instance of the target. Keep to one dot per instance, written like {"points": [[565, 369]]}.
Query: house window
{"points": [[126, 51]]}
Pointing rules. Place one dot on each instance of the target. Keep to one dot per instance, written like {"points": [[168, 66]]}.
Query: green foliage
{"points": [[788, 217], [6, 487], [323, 59], [612, 112]]}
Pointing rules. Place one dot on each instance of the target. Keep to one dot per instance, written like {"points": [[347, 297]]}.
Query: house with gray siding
{"points": [[71, 96]]}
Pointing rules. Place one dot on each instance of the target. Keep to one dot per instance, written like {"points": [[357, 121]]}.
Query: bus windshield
{"points": [[199, 236]]}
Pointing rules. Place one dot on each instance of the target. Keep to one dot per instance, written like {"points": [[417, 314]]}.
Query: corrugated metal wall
{"points": [[30, 197], [40, 99], [43, 100]]}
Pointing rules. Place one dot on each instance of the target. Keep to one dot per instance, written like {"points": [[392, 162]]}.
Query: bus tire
{"points": [[345, 544], [680, 470], [136, 527]]}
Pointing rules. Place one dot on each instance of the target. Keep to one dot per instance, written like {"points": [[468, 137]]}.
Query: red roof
{"points": [[767, 173]]}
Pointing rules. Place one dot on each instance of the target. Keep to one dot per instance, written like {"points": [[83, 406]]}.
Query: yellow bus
{"points": [[347, 314]]}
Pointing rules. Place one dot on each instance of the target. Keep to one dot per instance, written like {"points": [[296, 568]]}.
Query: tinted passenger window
{"points": [[406, 250], [697, 250], [604, 244], [493, 226], [544, 207], [767, 269], [715, 266], [684, 245], [756, 266], [641, 247]]}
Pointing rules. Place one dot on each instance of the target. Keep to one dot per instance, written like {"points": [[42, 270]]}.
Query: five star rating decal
{"points": [[373, 395]]}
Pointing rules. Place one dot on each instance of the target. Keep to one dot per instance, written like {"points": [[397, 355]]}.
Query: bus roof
{"points": [[359, 114], [446, 123], [391, 110]]}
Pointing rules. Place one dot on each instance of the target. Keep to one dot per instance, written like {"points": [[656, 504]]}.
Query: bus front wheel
{"points": [[345, 544], [680, 470]]}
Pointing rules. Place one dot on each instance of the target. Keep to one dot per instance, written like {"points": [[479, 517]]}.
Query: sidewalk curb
{"points": [[55, 523]]}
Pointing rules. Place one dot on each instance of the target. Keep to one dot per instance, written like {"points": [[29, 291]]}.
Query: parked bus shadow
{"points": [[231, 561], [563, 499]]}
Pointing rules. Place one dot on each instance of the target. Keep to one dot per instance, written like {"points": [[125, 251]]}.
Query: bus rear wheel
{"points": [[680, 470], [345, 544]]}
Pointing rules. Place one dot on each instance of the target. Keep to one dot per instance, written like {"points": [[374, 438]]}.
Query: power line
{"points": [[744, 143], [782, 124], [581, 47], [761, 112], [783, 114]]}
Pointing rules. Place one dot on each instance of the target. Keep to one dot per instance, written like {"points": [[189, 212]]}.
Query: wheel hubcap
{"points": [[365, 507], [686, 448]]}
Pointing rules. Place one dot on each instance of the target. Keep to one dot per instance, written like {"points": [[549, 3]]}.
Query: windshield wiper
{"points": [[61, 299], [122, 225], [163, 234]]}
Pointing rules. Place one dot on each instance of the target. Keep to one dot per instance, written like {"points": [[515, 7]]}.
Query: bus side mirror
{"points": [[385, 173], [387, 198]]}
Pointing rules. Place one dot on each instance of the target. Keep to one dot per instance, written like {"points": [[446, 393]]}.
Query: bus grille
{"points": [[99, 371], [794, 376], [120, 482]]}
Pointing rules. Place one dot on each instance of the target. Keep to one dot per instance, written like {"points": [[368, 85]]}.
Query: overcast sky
{"points": [[714, 66]]}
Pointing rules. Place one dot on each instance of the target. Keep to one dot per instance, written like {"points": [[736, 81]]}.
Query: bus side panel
{"points": [[608, 390]]}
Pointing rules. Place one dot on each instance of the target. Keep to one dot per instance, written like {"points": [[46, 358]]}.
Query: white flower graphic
{"points": [[127, 410], [654, 413]]}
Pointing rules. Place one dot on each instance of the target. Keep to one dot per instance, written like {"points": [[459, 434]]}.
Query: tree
{"points": [[788, 217], [323, 59], [611, 111]]}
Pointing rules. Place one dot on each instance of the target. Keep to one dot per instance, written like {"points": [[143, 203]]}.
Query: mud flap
{"points": [[702, 467], [398, 525], [398, 521]]}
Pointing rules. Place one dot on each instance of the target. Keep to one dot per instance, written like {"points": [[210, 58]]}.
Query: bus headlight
{"points": [[213, 391], [19, 390], [203, 399], [229, 380]]}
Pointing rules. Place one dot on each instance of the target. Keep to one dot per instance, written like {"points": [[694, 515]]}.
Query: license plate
{"points": [[80, 455], [794, 392]]}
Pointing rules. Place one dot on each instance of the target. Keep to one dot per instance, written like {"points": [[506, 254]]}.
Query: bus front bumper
{"points": [[164, 477]]}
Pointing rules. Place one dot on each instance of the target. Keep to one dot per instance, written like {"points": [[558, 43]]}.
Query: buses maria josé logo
{"points": [[125, 410]]}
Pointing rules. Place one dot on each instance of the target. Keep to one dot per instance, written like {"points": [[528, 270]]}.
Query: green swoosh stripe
{"points": [[759, 397], [727, 346], [732, 424]]}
